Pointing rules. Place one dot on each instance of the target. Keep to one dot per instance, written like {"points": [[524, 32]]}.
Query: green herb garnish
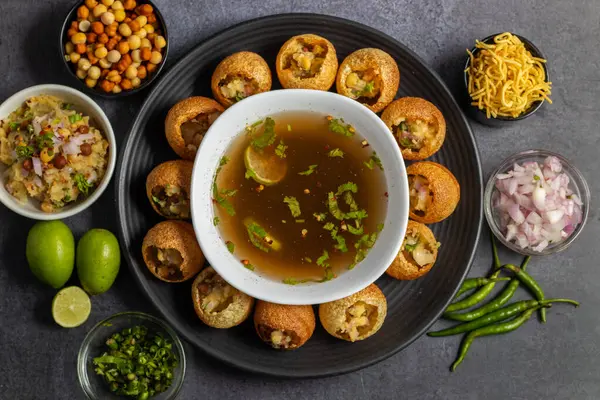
{"points": [[374, 160], [216, 220], [137, 363], [14, 126], [320, 216], [300, 221], [230, 246], [44, 140], [308, 260], [341, 243], [219, 196], [322, 261], [267, 138], [289, 128], [294, 281], [310, 170], [156, 200], [355, 231], [250, 173], [249, 266], [367, 89], [293, 204], [407, 143], [328, 275], [333, 206], [347, 187], [380, 227], [336, 153], [74, 118], [24, 151], [329, 226], [82, 184], [66, 106], [239, 97], [280, 149], [257, 236], [67, 198], [410, 247], [339, 126]]}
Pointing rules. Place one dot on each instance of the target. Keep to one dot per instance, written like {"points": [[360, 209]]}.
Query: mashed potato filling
{"points": [[167, 262], [193, 131], [413, 134], [306, 59], [419, 193], [216, 294], [277, 338], [237, 87], [417, 250], [172, 201], [360, 319], [364, 84]]}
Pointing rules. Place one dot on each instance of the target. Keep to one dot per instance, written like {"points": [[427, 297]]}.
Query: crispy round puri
{"points": [[245, 64], [175, 173], [228, 306], [177, 235], [443, 187], [411, 109], [404, 267], [340, 316], [282, 326], [182, 112], [385, 68], [325, 76]]}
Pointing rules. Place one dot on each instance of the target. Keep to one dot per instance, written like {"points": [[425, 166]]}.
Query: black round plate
{"points": [[412, 305]]}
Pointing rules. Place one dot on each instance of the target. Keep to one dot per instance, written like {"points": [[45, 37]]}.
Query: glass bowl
{"points": [[93, 345], [479, 115], [577, 184]]}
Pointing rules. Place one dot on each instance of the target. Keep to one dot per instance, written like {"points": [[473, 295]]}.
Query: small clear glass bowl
{"points": [[577, 184], [93, 345]]}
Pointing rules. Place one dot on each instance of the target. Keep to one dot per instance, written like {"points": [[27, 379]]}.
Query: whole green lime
{"points": [[50, 252], [98, 260]]}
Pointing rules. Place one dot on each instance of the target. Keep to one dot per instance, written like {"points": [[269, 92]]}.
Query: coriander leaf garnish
{"points": [[250, 174], [308, 260], [24, 151], [289, 128], [66, 106], [293, 204], [407, 143], [329, 226], [222, 162], [360, 214], [347, 187], [367, 89], [380, 227], [350, 202], [266, 138], [341, 244], [300, 221], [249, 266], [374, 160], [333, 206], [221, 200], [328, 275], [410, 247], [355, 231], [322, 261], [230, 246], [156, 200], [14, 126], [339, 126], [44, 140], [216, 220], [320, 216], [336, 153], [82, 184], [228, 192], [294, 281], [257, 236], [280, 149], [310, 170]]}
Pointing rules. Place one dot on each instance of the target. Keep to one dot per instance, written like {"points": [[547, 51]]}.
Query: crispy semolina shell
{"points": [[380, 61], [235, 313], [322, 80], [182, 112], [176, 172], [407, 108], [443, 185], [297, 319], [403, 269], [245, 63], [175, 235], [333, 314]]}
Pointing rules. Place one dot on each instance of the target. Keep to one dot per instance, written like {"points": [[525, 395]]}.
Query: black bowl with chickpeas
{"points": [[114, 47]]}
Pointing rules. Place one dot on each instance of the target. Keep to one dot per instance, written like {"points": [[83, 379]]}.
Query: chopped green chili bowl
{"points": [[94, 345]]}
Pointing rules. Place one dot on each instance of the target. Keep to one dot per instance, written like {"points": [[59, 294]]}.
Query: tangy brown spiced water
{"points": [[300, 197]]}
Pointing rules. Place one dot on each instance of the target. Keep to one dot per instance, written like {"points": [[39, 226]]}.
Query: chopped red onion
{"points": [[535, 206], [70, 147], [37, 181], [37, 165]]}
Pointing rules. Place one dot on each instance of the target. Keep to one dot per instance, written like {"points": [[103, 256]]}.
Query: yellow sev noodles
{"points": [[504, 79]]}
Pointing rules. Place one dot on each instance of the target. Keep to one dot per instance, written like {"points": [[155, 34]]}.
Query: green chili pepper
{"points": [[494, 329], [498, 315], [474, 283], [530, 284], [501, 299], [485, 290]]}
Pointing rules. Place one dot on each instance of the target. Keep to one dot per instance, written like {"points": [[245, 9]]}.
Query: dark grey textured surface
{"points": [[555, 361]]}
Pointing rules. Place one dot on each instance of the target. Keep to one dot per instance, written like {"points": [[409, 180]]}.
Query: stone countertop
{"points": [[558, 360]]}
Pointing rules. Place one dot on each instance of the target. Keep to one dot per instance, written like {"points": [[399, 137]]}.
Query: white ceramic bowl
{"points": [[83, 104], [231, 124]]}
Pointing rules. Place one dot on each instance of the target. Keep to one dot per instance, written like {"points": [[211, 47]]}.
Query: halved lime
{"points": [[266, 168], [71, 307]]}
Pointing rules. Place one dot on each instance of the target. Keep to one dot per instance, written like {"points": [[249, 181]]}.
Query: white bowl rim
{"points": [[11, 203], [216, 142]]}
